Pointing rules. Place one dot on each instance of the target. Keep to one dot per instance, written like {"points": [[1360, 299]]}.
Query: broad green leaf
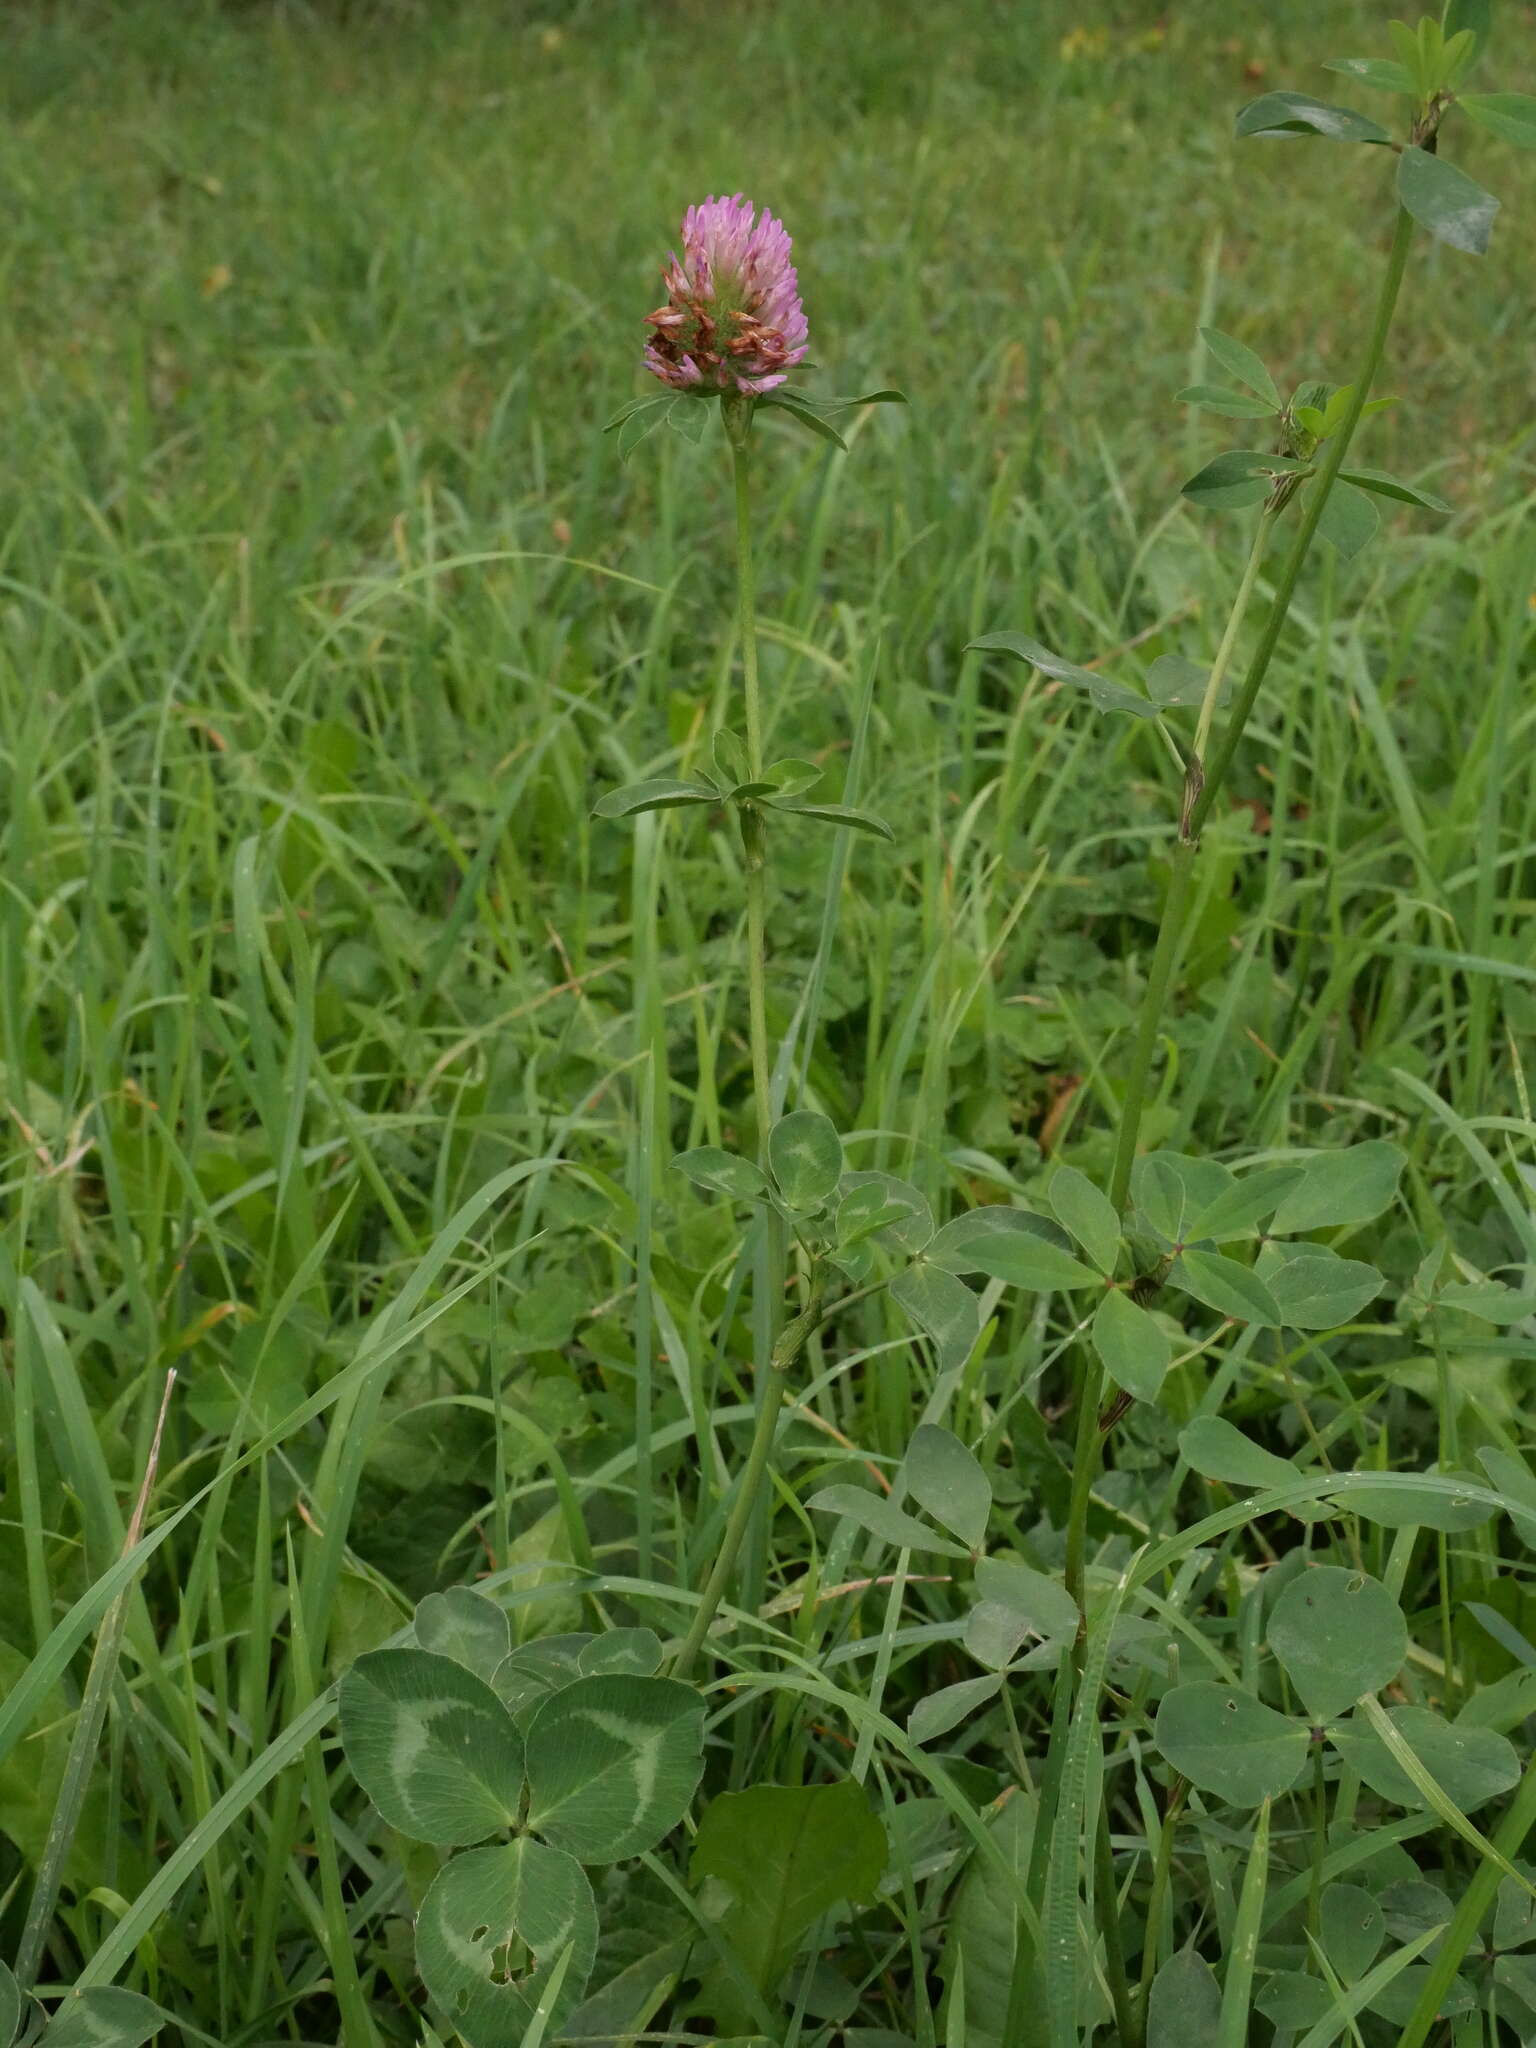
{"points": [[1240, 361], [10, 2006], [1216, 1450], [1231, 480], [1240, 1207], [1172, 679], [431, 1745], [1381, 485], [656, 793], [1008, 1244], [787, 1854], [1470, 1765], [1131, 1346], [635, 1651], [1184, 2009], [105, 2016], [1041, 1603], [1293, 2000], [977, 1957], [1227, 405], [722, 1173], [943, 1308], [875, 1513], [1514, 1911], [1489, 1299], [613, 1763], [1509, 115], [1451, 205], [485, 1918], [1297, 113], [1224, 1285], [806, 1157], [1316, 1289], [911, 1225], [1101, 692], [1337, 1634], [1353, 1185], [791, 777], [1353, 1929], [948, 1482], [465, 1626], [1350, 522], [1379, 72], [1087, 1214], [841, 815], [937, 1712], [1229, 1743], [1171, 1189]]}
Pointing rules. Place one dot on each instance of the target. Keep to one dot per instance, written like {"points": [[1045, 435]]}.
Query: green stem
{"points": [[772, 1266], [1161, 1871], [752, 1478], [1219, 667], [1107, 1913]]}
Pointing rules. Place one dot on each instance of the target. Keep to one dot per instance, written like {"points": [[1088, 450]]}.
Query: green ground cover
{"points": [[343, 1050]]}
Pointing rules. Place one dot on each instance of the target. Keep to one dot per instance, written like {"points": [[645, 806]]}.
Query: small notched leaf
{"points": [[656, 793], [1297, 113], [1101, 692], [1451, 205]]}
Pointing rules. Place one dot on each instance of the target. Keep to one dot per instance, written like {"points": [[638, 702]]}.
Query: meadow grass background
{"points": [[326, 614]]}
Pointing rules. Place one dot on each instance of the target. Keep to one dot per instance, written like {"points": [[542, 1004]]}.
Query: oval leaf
{"points": [[104, 2016], [1470, 1765], [1385, 486], [842, 815], [942, 1307], [465, 1626], [1087, 1214], [948, 1482], [1451, 205], [806, 1157], [1224, 1285], [1229, 1743], [613, 1763], [1042, 1604], [1131, 1345], [480, 1913], [1008, 1244], [1227, 405], [657, 793], [938, 1712], [636, 1651], [1337, 1634], [1107, 696], [1349, 522], [1240, 361], [881, 1518], [1352, 1185], [722, 1173], [1317, 1290], [1240, 1208], [431, 1745], [1509, 115], [910, 1223], [1297, 113], [1216, 1450], [10, 2006], [1184, 2009]]}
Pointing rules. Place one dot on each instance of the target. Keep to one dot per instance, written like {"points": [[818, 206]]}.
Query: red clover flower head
{"points": [[733, 320]]}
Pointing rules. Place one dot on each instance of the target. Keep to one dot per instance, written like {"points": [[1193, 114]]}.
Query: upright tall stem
{"points": [[768, 1304]]}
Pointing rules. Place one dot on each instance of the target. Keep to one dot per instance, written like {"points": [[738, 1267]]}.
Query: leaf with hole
{"points": [[1470, 1765], [1353, 1929], [943, 1308], [492, 1928], [1229, 1743], [465, 1626], [787, 1854], [1100, 691], [1454, 207], [949, 1483], [1131, 1345], [1352, 1185], [722, 1173], [805, 1155], [613, 1764], [881, 1518], [1316, 1289], [1297, 113], [1009, 1244], [656, 793], [431, 1745], [1337, 1634]]}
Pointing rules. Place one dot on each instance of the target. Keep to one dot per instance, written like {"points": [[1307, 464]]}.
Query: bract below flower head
{"points": [[733, 320]]}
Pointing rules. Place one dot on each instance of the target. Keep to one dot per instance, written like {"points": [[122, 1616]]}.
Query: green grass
{"points": [[343, 1051]]}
